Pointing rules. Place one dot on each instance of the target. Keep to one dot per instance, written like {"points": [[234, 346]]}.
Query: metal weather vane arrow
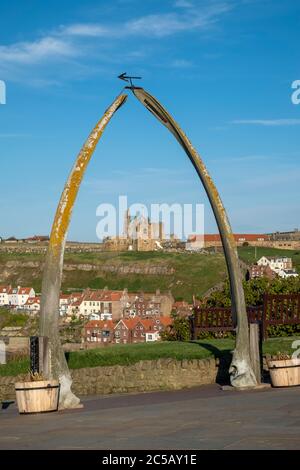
{"points": [[128, 79]]}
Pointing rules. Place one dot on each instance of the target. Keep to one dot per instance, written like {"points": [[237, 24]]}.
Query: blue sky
{"points": [[224, 69]]}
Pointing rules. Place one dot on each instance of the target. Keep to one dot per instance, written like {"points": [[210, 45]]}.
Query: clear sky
{"points": [[223, 68]]}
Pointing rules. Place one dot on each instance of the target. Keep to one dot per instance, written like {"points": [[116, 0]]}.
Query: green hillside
{"points": [[187, 274], [250, 255]]}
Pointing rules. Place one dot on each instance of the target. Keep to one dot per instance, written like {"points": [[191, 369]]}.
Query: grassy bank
{"points": [[188, 274], [132, 353], [250, 255]]}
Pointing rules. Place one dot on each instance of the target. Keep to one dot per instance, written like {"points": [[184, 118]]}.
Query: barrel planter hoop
{"points": [[284, 372], [37, 397]]}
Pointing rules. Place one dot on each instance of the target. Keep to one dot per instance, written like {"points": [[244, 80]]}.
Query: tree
{"points": [[255, 290]]}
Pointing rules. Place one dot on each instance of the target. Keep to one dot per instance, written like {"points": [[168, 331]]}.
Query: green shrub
{"points": [[283, 330], [179, 330]]}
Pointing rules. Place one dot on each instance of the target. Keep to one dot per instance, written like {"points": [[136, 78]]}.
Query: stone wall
{"points": [[144, 376], [15, 268]]}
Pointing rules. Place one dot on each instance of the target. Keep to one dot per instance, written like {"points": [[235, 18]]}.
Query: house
{"points": [[18, 296], [124, 330], [197, 242], [154, 327], [151, 336], [136, 330], [99, 333], [276, 263], [11, 240], [33, 304], [114, 305], [148, 305], [4, 299], [74, 302], [37, 239], [256, 271], [285, 273], [105, 302], [140, 306], [64, 301], [95, 316]]}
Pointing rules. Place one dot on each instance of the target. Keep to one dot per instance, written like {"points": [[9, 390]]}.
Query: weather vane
{"points": [[128, 79]]}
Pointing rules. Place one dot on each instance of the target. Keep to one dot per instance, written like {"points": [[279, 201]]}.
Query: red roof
{"points": [[40, 238], [130, 323], [101, 324], [166, 321], [102, 295], [33, 300], [148, 323], [5, 289], [24, 290], [180, 303], [76, 295], [215, 237]]}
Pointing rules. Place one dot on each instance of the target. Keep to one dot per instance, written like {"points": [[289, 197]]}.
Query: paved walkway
{"points": [[199, 418]]}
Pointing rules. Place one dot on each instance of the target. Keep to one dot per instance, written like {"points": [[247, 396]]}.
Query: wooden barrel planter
{"points": [[284, 372], [37, 397]]}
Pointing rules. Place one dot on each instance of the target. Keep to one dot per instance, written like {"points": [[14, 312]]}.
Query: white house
{"points": [[64, 301], [94, 316], [152, 336], [285, 273], [18, 296], [103, 302], [33, 304], [275, 263], [4, 291]]}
